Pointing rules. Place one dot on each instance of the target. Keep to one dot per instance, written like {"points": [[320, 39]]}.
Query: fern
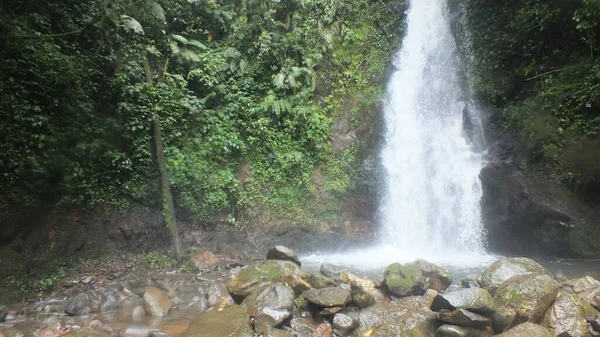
{"points": [[131, 25]]}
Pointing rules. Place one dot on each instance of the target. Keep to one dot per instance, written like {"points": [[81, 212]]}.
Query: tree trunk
{"points": [[167, 197]]}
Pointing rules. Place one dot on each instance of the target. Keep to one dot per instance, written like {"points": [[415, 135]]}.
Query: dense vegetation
{"points": [[229, 102], [537, 63]]}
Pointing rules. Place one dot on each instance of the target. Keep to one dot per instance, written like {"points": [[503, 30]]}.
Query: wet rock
{"points": [[322, 330], [527, 329], [409, 316], [278, 333], [470, 282], [364, 292], [504, 269], [109, 302], [565, 318], [267, 318], [319, 281], [138, 314], [199, 303], [86, 333], [464, 318], [101, 327], [3, 312], [404, 279], [328, 297], [79, 305], [473, 299], [448, 330], [595, 323], [274, 296], [284, 254], [50, 333], [330, 311], [439, 278], [205, 260], [156, 302], [303, 326], [523, 298], [157, 334], [232, 321], [259, 275], [584, 284], [344, 325], [332, 270], [218, 295]]}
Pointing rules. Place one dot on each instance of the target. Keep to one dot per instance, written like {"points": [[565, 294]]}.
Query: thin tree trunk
{"points": [[167, 196]]}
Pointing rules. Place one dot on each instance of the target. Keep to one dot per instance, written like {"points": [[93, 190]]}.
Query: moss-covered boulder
{"points": [[473, 299], [232, 321], [275, 296], [261, 274], [319, 281], [523, 298], [406, 317], [404, 279], [438, 278], [566, 317], [527, 329], [504, 269], [328, 297]]}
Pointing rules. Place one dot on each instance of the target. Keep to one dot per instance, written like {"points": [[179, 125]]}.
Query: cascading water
{"points": [[431, 205]]}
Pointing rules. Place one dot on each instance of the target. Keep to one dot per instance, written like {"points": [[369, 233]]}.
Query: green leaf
{"points": [[197, 44], [180, 39], [131, 25], [157, 10]]}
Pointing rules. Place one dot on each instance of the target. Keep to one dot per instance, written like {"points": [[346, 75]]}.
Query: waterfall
{"points": [[431, 204]]}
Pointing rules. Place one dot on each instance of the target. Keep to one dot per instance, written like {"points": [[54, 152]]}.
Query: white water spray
{"points": [[431, 205]]}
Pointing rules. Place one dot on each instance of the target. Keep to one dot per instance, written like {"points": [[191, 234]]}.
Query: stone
{"points": [[330, 311], [218, 295], [267, 318], [504, 269], [523, 298], [3, 312], [278, 333], [473, 299], [439, 278], [566, 318], [409, 316], [156, 303], [463, 317], [79, 305], [470, 281], [364, 292], [261, 274], [322, 330], [157, 334], [332, 270], [99, 326], [274, 296], [85, 332], [328, 297], [319, 281], [205, 260], [232, 321], [303, 326], [138, 314], [109, 302], [585, 284], [343, 325], [404, 279], [448, 330], [49, 333], [283, 253], [199, 303], [526, 329]]}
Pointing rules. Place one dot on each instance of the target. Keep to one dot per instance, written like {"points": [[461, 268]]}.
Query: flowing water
{"points": [[431, 205]]}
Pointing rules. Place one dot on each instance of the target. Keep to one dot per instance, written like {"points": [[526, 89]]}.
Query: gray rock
{"points": [[473, 299], [109, 302], [343, 325], [303, 326], [527, 329], [278, 333], [157, 334], [218, 295], [199, 303], [232, 321], [464, 318], [328, 297], [283, 253], [404, 279], [138, 314], [566, 318], [523, 298], [448, 330], [319, 281], [364, 292], [504, 269], [439, 278], [274, 296], [3, 312], [332, 270], [156, 303], [267, 318], [79, 305]]}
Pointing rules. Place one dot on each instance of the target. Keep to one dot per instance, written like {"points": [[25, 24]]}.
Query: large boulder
{"points": [[364, 292], [232, 321], [523, 298], [439, 278], [218, 295], [271, 304], [504, 269], [406, 317], [283, 253], [156, 302], [332, 270], [404, 279], [566, 317], [527, 329], [328, 297], [473, 299], [261, 274]]}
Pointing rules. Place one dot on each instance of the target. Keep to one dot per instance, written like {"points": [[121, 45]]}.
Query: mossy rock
{"points": [[404, 279], [504, 269], [261, 274]]}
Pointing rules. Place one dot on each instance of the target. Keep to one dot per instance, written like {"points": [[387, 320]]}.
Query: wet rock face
{"points": [[404, 280], [527, 329], [477, 300], [284, 254], [275, 296], [523, 298], [504, 269], [156, 303], [261, 274], [328, 297], [566, 317], [232, 321]]}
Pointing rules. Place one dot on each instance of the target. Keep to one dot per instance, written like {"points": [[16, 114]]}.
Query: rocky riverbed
{"points": [[513, 297]]}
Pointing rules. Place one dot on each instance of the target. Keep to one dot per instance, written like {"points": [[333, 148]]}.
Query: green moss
{"points": [[403, 280]]}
